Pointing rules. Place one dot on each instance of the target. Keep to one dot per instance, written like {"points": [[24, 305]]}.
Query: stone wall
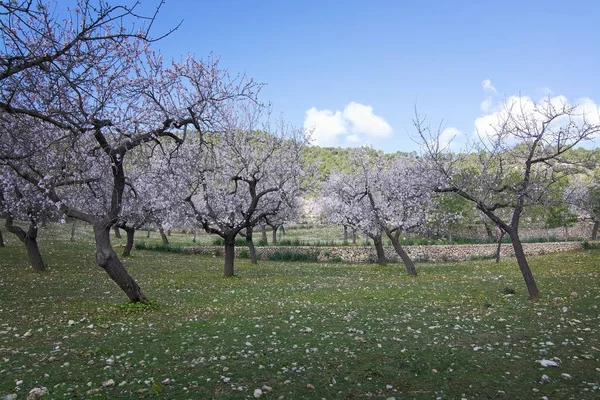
{"points": [[417, 253]]}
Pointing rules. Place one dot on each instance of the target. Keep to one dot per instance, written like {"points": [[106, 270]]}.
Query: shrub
{"points": [[167, 248], [292, 256]]}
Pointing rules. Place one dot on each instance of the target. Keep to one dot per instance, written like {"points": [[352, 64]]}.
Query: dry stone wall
{"points": [[417, 253]]}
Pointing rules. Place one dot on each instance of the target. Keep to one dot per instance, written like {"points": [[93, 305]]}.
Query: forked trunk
{"points": [[410, 266], [532, 288], [499, 247], [117, 232], [109, 261], [595, 230], [229, 256], [29, 239], [163, 236], [129, 245], [251, 248], [381, 259]]}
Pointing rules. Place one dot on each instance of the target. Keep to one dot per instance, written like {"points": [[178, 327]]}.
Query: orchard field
{"points": [[296, 330]]}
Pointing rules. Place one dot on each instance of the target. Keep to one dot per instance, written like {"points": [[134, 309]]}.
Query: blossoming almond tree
{"points": [[244, 176], [89, 89], [517, 159]]}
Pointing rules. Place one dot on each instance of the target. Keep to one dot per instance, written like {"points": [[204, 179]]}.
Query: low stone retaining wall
{"points": [[417, 253]]}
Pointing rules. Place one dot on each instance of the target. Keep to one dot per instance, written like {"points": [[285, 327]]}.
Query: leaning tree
{"points": [[512, 165]]}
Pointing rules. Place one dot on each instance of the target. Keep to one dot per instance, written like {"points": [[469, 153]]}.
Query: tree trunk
{"points": [[345, 234], [595, 230], [282, 229], [381, 259], [229, 256], [72, 238], [117, 232], [410, 266], [129, 245], [274, 234], [1, 240], [164, 238], [263, 231], [499, 245], [109, 261], [194, 239], [169, 232], [532, 288], [251, 248], [353, 236], [488, 231], [29, 239], [148, 234]]}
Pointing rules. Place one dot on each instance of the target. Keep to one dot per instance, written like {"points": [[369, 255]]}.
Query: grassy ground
{"points": [[296, 330]]}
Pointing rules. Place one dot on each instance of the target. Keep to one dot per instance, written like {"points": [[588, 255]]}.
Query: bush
{"points": [[590, 246], [292, 256], [167, 248], [241, 242]]}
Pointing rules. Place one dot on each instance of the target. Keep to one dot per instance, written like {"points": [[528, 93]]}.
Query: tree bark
{"points": [[499, 245], [164, 238], [117, 232], [29, 239], [345, 234], [109, 261], [381, 259], [353, 236], [410, 266], [129, 245], [263, 231], [72, 238], [595, 230], [532, 288], [229, 255], [1, 240], [194, 239], [274, 234], [251, 248]]}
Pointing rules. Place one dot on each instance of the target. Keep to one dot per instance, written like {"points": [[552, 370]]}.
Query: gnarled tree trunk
{"points": [[29, 239], [410, 266], [117, 232], [229, 255], [109, 261], [251, 248], [381, 258], [532, 288], [129, 245]]}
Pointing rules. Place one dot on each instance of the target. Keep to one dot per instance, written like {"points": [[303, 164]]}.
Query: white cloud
{"points": [[363, 121], [447, 136], [520, 106], [488, 87], [325, 125], [487, 104], [355, 124]]}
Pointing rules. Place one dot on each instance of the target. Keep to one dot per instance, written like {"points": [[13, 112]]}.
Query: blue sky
{"points": [[353, 70]]}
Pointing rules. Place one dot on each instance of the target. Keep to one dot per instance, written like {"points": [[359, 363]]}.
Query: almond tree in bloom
{"points": [[584, 194], [89, 92], [518, 158], [384, 196], [236, 179]]}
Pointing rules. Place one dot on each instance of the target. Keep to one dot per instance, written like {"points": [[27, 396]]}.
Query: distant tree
{"points": [[584, 195], [244, 176], [519, 157]]}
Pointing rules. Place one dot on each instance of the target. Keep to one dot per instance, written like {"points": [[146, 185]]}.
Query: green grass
{"points": [[306, 330]]}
